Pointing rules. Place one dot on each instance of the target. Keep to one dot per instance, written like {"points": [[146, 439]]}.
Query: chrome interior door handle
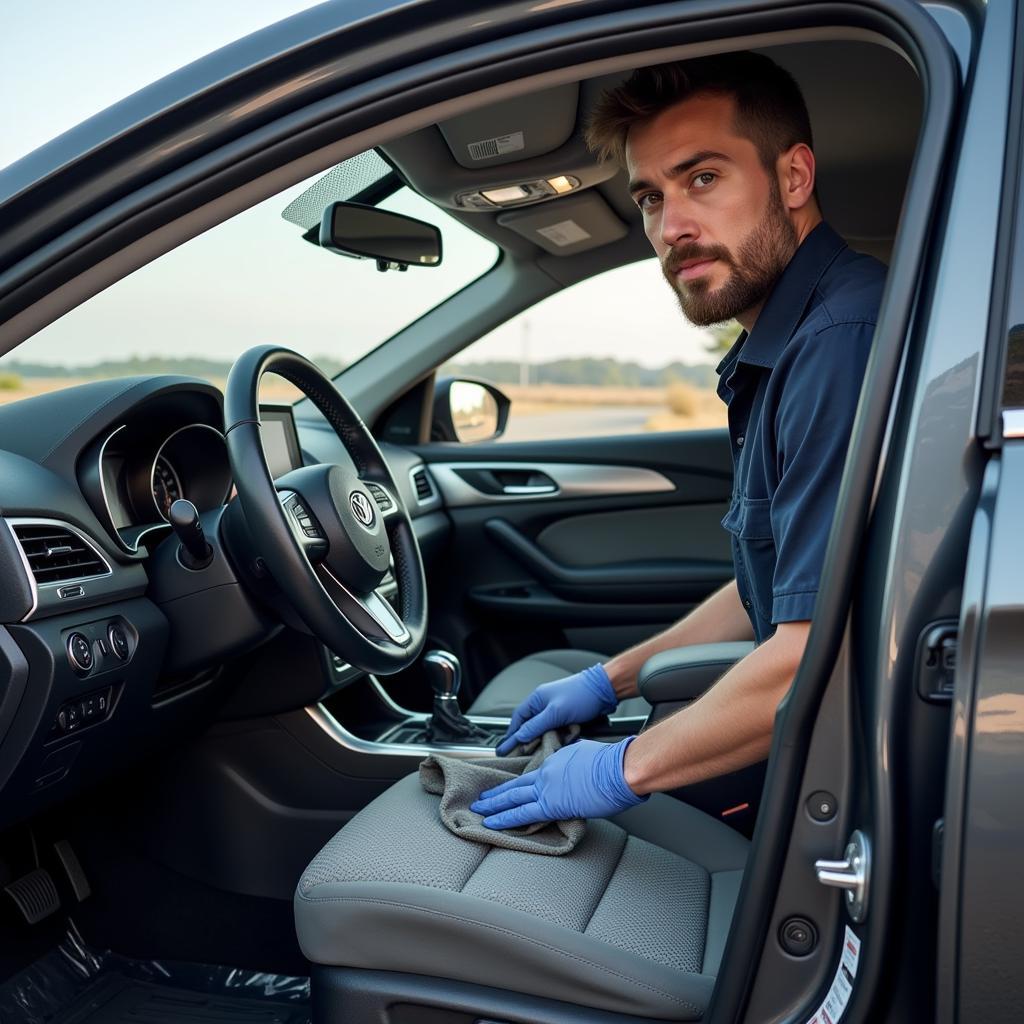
{"points": [[529, 489]]}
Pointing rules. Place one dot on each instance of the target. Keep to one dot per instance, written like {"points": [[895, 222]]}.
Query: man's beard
{"points": [[763, 256]]}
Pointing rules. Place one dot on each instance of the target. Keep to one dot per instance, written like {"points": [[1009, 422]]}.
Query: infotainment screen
{"points": [[280, 439]]}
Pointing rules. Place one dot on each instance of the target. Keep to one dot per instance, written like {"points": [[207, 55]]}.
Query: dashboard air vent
{"points": [[56, 555], [424, 488]]}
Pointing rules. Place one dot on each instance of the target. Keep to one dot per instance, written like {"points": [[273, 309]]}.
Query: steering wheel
{"points": [[328, 535]]}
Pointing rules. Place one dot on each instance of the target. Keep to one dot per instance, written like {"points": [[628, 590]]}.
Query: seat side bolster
{"points": [[420, 930], [679, 828], [725, 890]]}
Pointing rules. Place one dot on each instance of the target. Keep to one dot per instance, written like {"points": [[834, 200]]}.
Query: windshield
{"points": [[251, 280]]}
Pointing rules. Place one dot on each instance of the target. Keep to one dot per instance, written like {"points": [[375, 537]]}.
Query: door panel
{"points": [[620, 538], [677, 533]]}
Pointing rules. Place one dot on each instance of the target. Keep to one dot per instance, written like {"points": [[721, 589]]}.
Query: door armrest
{"points": [[682, 674]]}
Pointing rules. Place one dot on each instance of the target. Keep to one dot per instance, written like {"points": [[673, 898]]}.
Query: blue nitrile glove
{"points": [[569, 701], [582, 780]]}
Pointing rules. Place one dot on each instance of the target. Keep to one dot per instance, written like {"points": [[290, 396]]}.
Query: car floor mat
{"points": [[115, 999], [74, 984]]}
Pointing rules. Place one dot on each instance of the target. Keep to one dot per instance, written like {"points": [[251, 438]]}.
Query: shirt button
{"points": [[746, 602], [739, 440]]}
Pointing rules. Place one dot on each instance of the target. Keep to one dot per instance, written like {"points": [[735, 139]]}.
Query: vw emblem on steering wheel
{"points": [[361, 507]]}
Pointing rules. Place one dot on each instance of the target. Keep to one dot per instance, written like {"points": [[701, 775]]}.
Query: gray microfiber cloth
{"points": [[459, 782]]}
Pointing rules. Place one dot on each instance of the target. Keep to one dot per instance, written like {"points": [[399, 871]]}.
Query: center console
{"points": [[363, 718]]}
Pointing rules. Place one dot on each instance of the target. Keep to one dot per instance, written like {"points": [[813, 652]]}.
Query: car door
{"points": [[978, 840]]}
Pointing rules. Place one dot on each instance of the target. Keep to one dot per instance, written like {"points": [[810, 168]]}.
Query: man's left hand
{"points": [[582, 780]]}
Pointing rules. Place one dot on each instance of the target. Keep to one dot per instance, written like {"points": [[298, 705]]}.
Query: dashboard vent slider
{"points": [[56, 555]]}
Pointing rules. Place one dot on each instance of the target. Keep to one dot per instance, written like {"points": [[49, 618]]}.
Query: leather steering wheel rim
{"points": [[347, 618]]}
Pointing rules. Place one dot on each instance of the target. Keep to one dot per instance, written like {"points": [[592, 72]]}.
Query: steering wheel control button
{"points": [[821, 806], [118, 640], [383, 499], [79, 652], [798, 936]]}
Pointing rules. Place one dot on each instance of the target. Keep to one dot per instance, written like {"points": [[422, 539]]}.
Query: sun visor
{"points": [[510, 130], [567, 226]]}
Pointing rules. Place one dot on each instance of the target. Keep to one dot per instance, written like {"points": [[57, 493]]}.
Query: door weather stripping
{"points": [[851, 873]]}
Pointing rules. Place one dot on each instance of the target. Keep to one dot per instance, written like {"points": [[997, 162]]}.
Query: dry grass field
{"points": [[679, 407], [274, 389]]}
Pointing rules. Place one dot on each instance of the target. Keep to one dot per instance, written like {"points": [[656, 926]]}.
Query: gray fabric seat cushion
{"points": [[633, 920], [502, 695]]}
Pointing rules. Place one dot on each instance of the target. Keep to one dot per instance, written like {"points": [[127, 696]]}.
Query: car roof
{"points": [[865, 104]]}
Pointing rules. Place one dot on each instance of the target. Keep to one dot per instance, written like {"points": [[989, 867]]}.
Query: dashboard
{"points": [[109, 646]]}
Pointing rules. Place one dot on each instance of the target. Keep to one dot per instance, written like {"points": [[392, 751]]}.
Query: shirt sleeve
{"points": [[815, 409]]}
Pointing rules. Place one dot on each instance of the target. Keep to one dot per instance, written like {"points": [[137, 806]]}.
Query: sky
{"points": [[252, 279]]}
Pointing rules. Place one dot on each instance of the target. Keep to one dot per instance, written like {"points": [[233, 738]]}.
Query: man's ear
{"points": [[796, 171]]}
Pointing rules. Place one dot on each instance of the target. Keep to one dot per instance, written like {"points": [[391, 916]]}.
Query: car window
{"points": [[251, 280], [610, 355]]}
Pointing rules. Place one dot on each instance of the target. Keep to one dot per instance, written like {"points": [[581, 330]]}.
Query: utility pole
{"points": [[524, 360]]}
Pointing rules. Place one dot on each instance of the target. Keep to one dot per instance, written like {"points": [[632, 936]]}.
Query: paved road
{"points": [[591, 422]]}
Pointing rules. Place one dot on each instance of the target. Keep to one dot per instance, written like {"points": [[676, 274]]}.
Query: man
{"points": [[720, 161]]}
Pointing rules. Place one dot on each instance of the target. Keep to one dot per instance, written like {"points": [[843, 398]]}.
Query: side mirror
{"points": [[468, 411], [395, 241]]}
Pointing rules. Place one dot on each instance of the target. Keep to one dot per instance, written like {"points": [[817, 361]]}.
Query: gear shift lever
{"points": [[447, 724]]}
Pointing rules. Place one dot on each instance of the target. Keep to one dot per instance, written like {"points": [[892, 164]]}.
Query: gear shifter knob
{"points": [[444, 672], [448, 724]]}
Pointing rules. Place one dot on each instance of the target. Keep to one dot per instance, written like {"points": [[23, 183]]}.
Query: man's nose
{"points": [[677, 224]]}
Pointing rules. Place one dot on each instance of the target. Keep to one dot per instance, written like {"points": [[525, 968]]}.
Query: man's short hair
{"points": [[770, 109]]}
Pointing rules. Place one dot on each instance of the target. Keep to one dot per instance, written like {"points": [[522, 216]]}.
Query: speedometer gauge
{"points": [[166, 486]]}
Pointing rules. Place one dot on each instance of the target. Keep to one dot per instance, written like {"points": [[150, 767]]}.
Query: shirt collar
{"points": [[787, 300]]}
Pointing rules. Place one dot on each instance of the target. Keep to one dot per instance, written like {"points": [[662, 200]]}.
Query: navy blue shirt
{"points": [[792, 388]]}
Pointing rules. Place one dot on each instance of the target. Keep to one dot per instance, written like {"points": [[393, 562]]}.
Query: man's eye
{"points": [[705, 179], [647, 200]]}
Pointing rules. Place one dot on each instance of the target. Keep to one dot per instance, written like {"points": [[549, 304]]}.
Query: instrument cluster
{"points": [[140, 475]]}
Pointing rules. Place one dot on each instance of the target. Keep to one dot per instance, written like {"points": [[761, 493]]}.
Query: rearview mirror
{"points": [[395, 241]]}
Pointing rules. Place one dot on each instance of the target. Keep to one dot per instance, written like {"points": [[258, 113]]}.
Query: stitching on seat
{"points": [[608, 884], [476, 869], [518, 935]]}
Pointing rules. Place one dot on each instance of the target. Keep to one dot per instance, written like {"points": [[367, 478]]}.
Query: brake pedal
{"points": [[35, 895]]}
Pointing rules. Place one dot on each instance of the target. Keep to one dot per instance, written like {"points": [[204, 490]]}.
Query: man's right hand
{"points": [[568, 701]]}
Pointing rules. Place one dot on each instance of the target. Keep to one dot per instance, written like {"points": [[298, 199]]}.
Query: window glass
{"points": [[251, 280], [611, 355]]}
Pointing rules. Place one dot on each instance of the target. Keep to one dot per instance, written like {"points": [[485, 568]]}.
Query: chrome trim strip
{"points": [[572, 480], [13, 521], [1013, 423], [340, 735], [400, 636], [103, 489], [28, 573]]}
